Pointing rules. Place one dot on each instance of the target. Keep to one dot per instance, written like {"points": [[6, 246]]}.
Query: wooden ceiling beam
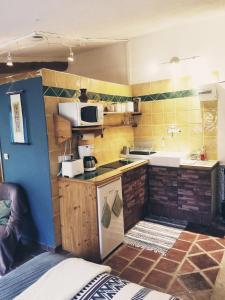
{"points": [[21, 67]]}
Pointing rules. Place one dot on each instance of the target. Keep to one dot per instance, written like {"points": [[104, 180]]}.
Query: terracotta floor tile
{"points": [[150, 254], [212, 274], [186, 267], [203, 261], [203, 295], [184, 296], [116, 273], [210, 245], [187, 236], [158, 278], [152, 287], [202, 237], [195, 282], [182, 245], [195, 249], [128, 252], [221, 241], [218, 255], [132, 275], [176, 287], [175, 254], [117, 263], [142, 264], [167, 265]]}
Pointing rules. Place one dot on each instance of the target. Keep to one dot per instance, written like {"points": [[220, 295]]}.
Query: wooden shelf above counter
{"points": [[121, 113], [64, 130], [98, 130]]}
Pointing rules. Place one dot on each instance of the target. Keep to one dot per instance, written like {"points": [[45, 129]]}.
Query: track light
{"points": [[9, 61], [71, 56]]}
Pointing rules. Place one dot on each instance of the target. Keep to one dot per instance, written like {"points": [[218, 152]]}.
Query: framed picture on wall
{"points": [[17, 120]]}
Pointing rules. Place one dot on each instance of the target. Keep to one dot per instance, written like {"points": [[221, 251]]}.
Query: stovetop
{"points": [[92, 174], [104, 169]]}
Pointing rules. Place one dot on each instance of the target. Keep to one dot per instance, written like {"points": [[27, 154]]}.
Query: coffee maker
{"points": [[85, 152]]}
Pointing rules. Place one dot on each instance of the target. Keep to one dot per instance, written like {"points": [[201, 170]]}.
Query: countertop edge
{"points": [[101, 179]]}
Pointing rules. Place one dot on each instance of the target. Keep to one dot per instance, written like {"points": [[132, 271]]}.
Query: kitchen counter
{"points": [[198, 164], [184, 163], [100, 179]]}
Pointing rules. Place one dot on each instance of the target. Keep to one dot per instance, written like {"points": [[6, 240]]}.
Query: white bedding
{"points": [[66, 281], [63, 281]]}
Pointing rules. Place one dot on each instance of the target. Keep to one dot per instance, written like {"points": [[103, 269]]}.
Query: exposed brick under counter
{"points": [[134, 183], [182, 193]]}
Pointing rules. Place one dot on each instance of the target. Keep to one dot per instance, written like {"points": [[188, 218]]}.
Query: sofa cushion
{"points": [[5, 209]]}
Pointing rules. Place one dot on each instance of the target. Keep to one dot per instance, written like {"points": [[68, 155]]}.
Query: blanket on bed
{"points": [[77, 279], [106, 286], [63, 281]]}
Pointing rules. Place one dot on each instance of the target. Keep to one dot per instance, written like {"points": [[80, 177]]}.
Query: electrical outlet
{"points": [[6, 156], [62, 158]]}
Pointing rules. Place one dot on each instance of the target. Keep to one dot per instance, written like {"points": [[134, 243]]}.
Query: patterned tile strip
{"points": [[69, 93]]}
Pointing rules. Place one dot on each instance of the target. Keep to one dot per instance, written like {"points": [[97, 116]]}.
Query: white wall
{"points": [[203, 38], [106, 63]]}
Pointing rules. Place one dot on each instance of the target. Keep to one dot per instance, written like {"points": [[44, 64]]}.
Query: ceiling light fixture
{"points": [[71, 56], [177, 60], [37, 35], [9, 61]]}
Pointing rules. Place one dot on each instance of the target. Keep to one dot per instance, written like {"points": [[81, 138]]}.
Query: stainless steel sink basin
{"points": [[141, 152]]}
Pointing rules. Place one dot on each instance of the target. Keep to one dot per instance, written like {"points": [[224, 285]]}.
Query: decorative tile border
{"points": [[169, 95], [69, 93]]}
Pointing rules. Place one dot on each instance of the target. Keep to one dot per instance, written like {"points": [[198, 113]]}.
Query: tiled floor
{"points": [[188, 270]]}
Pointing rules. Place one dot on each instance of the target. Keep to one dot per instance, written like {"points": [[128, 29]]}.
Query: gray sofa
{"points": [[10, 233]]}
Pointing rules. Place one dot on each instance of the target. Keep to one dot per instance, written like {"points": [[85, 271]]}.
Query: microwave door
{"points": [[89, 115]]}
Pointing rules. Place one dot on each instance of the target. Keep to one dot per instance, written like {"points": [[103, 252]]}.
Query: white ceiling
{"points": [[95, 19]]}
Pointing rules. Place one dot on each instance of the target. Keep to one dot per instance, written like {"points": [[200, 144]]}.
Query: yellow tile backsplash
{"points": [[196, 120]]}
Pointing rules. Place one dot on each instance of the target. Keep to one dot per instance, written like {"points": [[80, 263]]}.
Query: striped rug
{"points": [[152, 236]]}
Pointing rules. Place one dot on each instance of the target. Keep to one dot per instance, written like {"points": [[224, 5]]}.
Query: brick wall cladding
{"points": [[180, 193], [134, 184]]}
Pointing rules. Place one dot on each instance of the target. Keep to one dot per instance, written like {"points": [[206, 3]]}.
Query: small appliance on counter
{"points": [[85, 150], [89, 163], [72, 168]]}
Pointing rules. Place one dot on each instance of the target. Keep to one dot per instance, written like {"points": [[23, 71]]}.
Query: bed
{"points": [[53, 276]]}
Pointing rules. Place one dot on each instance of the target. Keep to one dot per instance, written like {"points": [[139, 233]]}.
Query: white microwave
{"points": [[82, 114]]}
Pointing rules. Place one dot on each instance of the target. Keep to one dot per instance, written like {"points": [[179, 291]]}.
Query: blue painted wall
{"points": [[28, 165]]}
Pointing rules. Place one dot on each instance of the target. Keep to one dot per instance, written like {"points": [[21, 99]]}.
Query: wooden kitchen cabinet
{"points": [[182, 193], [134, 185], [79, 224]]}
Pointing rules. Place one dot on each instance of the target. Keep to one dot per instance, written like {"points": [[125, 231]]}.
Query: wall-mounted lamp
{"points": [[9, 61], [70, 58]]}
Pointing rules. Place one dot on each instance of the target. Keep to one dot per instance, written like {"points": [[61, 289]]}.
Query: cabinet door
{"points": [[134, 195], [78, 211], [110, 236], [163, 193]]}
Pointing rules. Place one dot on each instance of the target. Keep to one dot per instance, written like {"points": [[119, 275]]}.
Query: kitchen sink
{"points": [[117, 164], [141, 152]]}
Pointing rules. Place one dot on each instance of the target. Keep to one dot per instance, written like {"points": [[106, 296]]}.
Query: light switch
{"points": [[6, 156]]}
